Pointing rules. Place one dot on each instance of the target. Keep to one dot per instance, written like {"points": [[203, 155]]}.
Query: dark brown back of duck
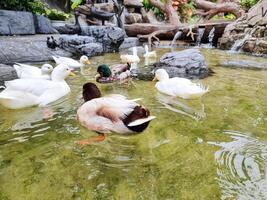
{"points": [[138, 113]]}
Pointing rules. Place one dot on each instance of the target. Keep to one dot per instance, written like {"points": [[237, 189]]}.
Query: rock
{"points": [[129, 42], [108, 7], [188, 63], [245, 64], [16, 23], [132, 18], [27, 49], [43, 25], [92, 49], [81, 45], [7, 73], [133, 3], [110, 37], [248, 33]]}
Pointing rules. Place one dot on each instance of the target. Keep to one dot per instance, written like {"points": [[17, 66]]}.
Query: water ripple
{"points": [[242, 167]]}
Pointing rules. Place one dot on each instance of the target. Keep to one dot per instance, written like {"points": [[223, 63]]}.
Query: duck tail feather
{"points": [[141, 121]]}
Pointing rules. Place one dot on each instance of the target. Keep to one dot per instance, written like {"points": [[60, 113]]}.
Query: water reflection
{"points": [[242, 166], [195, 111]]}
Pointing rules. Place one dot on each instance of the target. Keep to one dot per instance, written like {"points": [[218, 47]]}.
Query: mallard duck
{"points": [[21, 93], [130, 58], [180, 87], [114, 113], [151, 54], [74, 64], [113, 73], [29, 71]]}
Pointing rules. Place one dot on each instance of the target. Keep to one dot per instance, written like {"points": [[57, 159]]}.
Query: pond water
{"points": [[211, 148]]}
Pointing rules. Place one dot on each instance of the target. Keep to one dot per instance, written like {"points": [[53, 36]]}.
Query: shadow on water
{"points": [[241, 171]]}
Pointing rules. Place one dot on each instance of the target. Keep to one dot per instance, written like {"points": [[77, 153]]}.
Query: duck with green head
{"points": [[114, 113], [118, 72]]}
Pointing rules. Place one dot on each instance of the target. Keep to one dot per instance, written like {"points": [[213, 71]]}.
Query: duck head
{"points": [[84, 60], [46, 69], [161, 75], [103, 71], [61, 72], [90, 91]]}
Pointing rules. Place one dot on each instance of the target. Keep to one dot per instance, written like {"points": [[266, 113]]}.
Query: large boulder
{"points": [[129, 42], [110, 37], [7, 73], [81, 45], [16, 23], [27, 49], [249, 33], [43, 25], [189, 63]]}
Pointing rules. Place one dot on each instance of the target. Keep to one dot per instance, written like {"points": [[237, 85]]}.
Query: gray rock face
{"points": [[188, 63], [245, 64], [27, 49], [110, 37], [129, 42], [81, 45], [16, 23], [133, 3], [43, 25], [7, 73], [92, 49], [249, 33]]}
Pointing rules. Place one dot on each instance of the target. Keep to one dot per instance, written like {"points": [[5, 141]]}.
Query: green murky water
{"points": [[211, 148]]}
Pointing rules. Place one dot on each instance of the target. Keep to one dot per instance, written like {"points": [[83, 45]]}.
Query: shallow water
{"points": [[210, 148]]}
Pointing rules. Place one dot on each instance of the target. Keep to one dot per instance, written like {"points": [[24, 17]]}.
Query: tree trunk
{"points": [[211, 9]]}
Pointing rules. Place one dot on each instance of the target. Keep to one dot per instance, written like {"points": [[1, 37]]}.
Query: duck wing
{"points": [[25, 71], [67, 61], [34, 86]]}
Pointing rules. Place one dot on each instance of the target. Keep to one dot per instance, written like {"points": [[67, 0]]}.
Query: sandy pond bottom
{"points": [[211, 148]]}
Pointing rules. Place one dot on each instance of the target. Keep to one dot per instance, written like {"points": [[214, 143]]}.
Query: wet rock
{"points": [[249, 32], [43, 25], [110, 37], [81, 45], [245, 64], [132, 18], [7, 73], [16, 23], [129, 42], [27, 49], [92, 49], [188, 63]]}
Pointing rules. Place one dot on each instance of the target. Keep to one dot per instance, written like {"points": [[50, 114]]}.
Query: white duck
{"points": [[151, 54], [127, 58], [21, 93], [73, 64], [29, 71], [180, 87]]}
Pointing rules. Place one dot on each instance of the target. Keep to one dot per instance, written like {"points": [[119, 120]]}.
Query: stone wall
{"points": [[249, 33]]}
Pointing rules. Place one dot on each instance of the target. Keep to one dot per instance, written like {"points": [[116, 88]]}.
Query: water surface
{"points": [[210, 148]]}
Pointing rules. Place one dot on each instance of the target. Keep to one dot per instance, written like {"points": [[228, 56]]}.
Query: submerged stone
{"points": [[7, 73]]}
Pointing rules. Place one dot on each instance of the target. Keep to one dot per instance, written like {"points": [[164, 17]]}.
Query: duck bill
{"points": [[72, 74], [97, 76], [87, 62], [154, 79]]}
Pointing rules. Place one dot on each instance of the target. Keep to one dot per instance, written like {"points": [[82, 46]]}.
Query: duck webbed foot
{"points": [[101, 137]]}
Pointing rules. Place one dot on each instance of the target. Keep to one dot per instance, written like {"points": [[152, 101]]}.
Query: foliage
{"points": [[76, 3], [186, 11], [248, 3], [156, 10], [229, 16], [34, 6]]}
